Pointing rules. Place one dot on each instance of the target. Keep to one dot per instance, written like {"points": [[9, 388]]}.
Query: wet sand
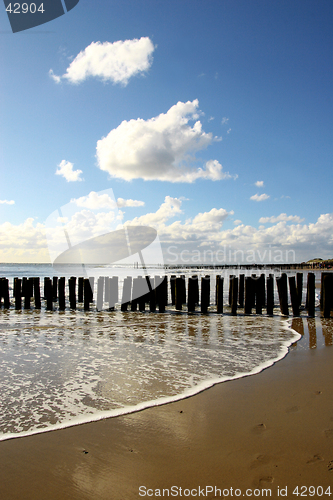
{"points": [[272, 430]]}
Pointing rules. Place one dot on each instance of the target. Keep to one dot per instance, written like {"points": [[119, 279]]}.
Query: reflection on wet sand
{"points": [[310, 331]]}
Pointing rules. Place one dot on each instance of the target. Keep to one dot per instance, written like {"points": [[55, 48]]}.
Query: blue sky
{"points": [[256, 75]]}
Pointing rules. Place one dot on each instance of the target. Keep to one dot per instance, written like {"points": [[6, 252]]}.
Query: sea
{"points": [[64, 368]]}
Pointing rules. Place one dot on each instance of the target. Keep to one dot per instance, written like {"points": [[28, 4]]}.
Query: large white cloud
{"points": [[160, 148], [7, 202], [116, 62]]}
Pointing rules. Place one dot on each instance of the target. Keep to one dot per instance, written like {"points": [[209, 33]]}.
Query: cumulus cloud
{"points": [[224, 120], [160, 148], [7, 202], [65, 168], [279, 218], [116, 62], [259, 197], [129, 203], [259, 184], [95, 201]]}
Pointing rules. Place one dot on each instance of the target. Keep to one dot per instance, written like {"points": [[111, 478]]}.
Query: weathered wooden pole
{"points": [[205, 293], [219, 294], [230, 288], [5, 293], [299, 287], [183, 288], [241, 290], [113, 292], [87, 293], [152, 293], [126, 298], [327, 295], [258, 292], [61, 293], [191, 294], [72, 292], [311, 294], [293, 295], [55, 288], [179, 294], [263, 289], [143, 293], [162, 294], [100, 293], [36, 284], [282, 286], [234, 295], [172, 287], [80, 290], [135, 295], [270, 294], [18, 293], [249, 292], [48, 293]]}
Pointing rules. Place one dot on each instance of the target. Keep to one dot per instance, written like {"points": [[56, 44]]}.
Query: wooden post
{"points": [[183, 288], [18, 293], [241, 290], [219, 294], [5, 293], [143, 293], [205, 293], [270, 295], [257, 291], [152, 293], [100, 293], [191, 294], [263, 289], [92, 283], [179, 293], [172, 287], [162, 294], [38, 304], [234, 295], [72, 294], [27, 291], [55, 288], [249, 292], [48, 293], [327, 294], [311, 294], [86, 294], [135, 294], [113, 292], [80, 291], [293, 295], [61, 293], [299, 287], [230, 288], [282, 287], [127, 288]]}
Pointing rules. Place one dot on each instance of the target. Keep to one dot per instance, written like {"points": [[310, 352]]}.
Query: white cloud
{"points": [[224, 120], [65, 168], [7, 202], [279, 218], [259, 197], [259, 184], [211, 118], [160, 148], [95, 201], [228, 131], [116, 62], [129, 203], [237, 222]]}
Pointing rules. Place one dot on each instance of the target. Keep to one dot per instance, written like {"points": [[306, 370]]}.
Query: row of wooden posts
{"points": [[248, 292]]}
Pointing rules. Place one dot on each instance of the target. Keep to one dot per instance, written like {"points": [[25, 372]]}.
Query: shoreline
{"points": [[269, 430]]}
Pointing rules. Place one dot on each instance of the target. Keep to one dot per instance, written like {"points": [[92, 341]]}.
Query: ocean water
{"points": [[59, 369]]}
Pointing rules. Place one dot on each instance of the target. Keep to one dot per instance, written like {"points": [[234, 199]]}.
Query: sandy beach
{"points": [[270, 431]]}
